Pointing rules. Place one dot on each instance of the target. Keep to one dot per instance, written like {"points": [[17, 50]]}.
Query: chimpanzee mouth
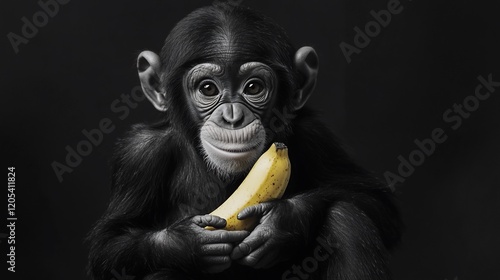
{"points": [[238, 149], [232, 150]]}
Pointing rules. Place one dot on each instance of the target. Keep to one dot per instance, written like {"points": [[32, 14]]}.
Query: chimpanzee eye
{"points": [[208, 89], [253, 88]]}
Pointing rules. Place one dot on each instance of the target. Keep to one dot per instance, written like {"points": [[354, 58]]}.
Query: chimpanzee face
{"points": [[232, 102]]}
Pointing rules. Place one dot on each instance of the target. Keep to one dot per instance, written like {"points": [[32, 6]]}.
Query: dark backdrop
{"points": [[394, 91]]}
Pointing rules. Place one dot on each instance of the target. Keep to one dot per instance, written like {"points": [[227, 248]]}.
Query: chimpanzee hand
{"points": [[210, 248], [279, 229]]}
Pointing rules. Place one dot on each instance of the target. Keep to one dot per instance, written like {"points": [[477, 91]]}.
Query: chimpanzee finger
{"points": [[216, 260], [254, 210], [209, 220], [221, 249], [259, 258], [224, 236], [269, 259], [256, 239]]}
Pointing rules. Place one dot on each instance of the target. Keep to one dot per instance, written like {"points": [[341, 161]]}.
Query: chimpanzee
{"points": [[229, 83]]}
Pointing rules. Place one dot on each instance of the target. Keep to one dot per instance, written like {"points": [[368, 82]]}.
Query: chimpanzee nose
{"points": [[233, 115]]}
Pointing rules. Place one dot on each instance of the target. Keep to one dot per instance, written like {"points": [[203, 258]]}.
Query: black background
{"points": [[395, 91]]}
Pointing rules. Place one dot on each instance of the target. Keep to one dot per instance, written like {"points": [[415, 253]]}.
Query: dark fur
{"points": [[158, 167]]}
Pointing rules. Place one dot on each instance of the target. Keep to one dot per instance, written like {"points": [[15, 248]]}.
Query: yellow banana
{"points": [[267, 180]]}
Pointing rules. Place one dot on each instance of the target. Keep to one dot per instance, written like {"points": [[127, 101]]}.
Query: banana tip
{"points": [[279, 145]]}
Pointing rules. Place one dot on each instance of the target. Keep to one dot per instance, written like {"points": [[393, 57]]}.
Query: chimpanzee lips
{"points": [[236, 148], [229, 152]]}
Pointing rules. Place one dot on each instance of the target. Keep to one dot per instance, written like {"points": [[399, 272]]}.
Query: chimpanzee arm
{"points": [[125, 238], [359, 224]]}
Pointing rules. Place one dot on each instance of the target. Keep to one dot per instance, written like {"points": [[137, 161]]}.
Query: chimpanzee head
{"points": [[221, 74]]}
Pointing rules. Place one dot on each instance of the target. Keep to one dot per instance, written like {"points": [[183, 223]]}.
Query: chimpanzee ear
{"points": [[148, 66], [306, 61]]}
